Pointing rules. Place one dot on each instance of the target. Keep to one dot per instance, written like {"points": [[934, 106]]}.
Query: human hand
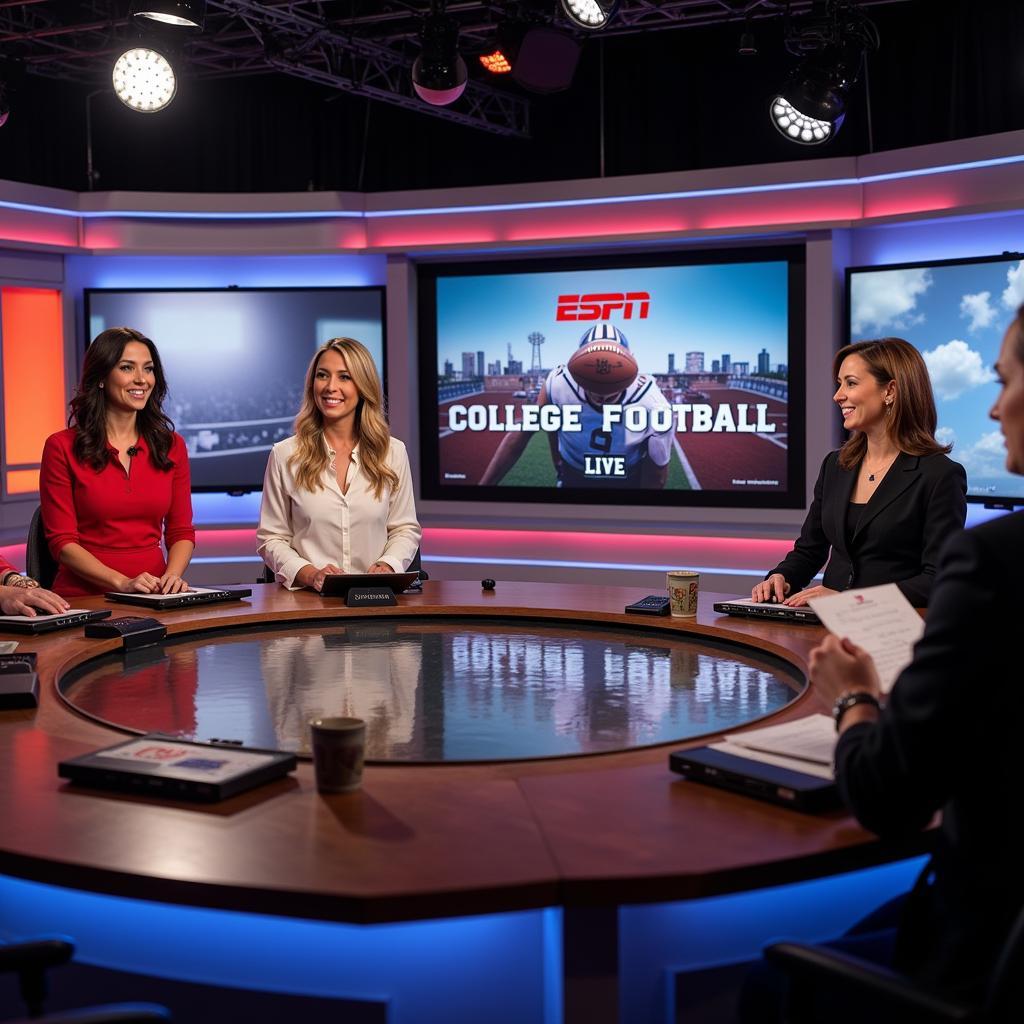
{"points": [[838, 666], [171, 583], [144, 583], [774, 588], [31, 601], [378, 567], [317, 581], [798, 600]]}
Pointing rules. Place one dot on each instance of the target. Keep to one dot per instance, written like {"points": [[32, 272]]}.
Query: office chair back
{"points": [[1005, 1000], [39, 563]]}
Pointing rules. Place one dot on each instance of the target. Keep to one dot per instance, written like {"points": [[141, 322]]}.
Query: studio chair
{"points": [[869, 992], [31, 960], [39, 563]]}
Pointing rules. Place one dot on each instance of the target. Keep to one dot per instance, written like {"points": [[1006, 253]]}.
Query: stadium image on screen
{"points": [[235, 361], [617, 382], [955, 312]]}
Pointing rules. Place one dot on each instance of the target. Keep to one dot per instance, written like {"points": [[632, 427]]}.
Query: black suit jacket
{"points": [[950, 739], [916, 506]]}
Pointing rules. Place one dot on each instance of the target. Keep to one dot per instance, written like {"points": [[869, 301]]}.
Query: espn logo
{"points": [[602, 306]]}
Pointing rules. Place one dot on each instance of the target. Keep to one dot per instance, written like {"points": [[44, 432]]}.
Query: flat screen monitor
{"points": [[687, 386], [235, 361], [955, 312]]}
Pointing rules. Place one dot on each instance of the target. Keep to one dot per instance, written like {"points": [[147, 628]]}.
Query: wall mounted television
{"points": [[955, 312], [235, 360], [714, 416]]}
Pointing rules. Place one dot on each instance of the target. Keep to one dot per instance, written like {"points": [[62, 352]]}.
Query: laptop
{"points": [[194, 595], [339, 584], [37, 624], [767, 610], [777, 784]]}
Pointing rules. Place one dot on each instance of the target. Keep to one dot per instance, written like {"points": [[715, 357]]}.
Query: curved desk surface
{"points": [[416, 841]]}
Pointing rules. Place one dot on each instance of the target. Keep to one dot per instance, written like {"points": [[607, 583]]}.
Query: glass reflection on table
{"points": [[441, 689]]}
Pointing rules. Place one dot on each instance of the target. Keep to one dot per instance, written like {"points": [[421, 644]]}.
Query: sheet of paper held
{"points": [[879, 619], [810, 739]]}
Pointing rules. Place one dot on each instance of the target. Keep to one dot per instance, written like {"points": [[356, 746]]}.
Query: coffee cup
{"points": [[683, 585], [339, 746]]}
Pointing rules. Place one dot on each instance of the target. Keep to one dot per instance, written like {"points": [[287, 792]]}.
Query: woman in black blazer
{"points": [[886, 501]]}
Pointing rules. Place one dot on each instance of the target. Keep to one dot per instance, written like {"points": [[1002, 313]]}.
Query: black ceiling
{"points": [[282, 96]]}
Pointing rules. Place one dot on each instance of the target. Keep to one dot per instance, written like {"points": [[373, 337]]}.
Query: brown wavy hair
{"points": [[1019, 321], [373, 436], [912, 418], [89, 405]]}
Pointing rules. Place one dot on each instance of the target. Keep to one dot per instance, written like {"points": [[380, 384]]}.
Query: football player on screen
{"points": [[601, 372]]}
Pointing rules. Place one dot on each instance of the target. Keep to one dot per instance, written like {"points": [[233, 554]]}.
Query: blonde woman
{"points": [[337, 495]]}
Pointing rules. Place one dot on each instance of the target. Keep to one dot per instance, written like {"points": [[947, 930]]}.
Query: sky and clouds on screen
{"points": [[956, 315], [734, 308]]}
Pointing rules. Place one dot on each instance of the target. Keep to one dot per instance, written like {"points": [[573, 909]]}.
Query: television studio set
{"points": [[510, 511]]}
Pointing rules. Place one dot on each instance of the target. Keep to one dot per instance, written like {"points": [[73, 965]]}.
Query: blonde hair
{"points": [[310, 457]]}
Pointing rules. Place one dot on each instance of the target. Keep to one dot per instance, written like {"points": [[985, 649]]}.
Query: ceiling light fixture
{"points": [[185, 13], [811, 106], [439, 74], [590, 14], [497, 63], [144, 80]]}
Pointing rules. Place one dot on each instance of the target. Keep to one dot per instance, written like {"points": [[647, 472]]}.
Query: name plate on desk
{"points": [[365, 597]]}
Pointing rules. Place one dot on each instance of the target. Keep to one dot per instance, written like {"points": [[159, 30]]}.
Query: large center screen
{"points": [[670, 381]]}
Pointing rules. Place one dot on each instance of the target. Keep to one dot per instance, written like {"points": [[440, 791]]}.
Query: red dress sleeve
{"points": [[56, 494], [178, 524]]}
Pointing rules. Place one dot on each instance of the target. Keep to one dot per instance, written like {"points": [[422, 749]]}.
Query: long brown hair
{"points": [[911, 419], [89, 405], [310, 458]]}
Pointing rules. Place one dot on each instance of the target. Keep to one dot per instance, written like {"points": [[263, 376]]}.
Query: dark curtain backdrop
{"points": [[674, 100]]}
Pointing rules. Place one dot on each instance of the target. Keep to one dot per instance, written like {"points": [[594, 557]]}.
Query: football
{"points": [[603, 368]]}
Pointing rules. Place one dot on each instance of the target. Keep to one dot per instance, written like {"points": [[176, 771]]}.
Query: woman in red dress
{"points": [[116, 482]]}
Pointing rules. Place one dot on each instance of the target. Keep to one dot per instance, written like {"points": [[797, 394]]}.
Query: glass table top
{"points": [[440, 689]]}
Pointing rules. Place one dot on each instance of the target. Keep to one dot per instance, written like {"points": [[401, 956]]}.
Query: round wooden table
{"points": [[424, 841]]}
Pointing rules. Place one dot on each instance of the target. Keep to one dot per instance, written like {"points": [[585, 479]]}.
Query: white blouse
{"points": [[353, 530]]}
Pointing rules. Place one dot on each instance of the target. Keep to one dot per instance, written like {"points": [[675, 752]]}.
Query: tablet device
{"points": [[194, 595], [164, 766], [804, 792], [767, 610], [339, 584], [35, 624]]}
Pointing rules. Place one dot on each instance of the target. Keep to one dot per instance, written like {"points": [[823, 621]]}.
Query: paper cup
{"points": [[339, 745], [683, 585]]}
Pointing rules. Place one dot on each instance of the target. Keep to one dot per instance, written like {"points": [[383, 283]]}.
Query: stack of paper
{"points": [[806, 745]]}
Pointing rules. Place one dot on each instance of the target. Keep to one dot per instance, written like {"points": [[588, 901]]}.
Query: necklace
{"points": [[880, 469]]}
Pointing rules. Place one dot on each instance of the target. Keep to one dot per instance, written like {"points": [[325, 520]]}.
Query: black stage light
{"points": [[546, 60], [186, 13], [507, 39], [439, 74], [748, 45], [811, 106], [5, 106], [590, 14], [833, 42]]}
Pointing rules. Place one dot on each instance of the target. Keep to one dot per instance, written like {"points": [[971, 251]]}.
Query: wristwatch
{"points": [[850, 699]]}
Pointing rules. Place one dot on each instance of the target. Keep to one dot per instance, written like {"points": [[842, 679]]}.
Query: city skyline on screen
{"points": [[734, 309], [955, 315]]}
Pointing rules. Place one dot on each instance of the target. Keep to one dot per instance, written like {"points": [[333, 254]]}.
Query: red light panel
{"points": [[497, 63]]}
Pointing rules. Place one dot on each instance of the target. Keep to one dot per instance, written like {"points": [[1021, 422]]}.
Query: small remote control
{"points": [[135, 630], [18, 662], [653, 604]]}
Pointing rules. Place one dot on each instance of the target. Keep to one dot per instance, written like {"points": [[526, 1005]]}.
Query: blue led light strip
{"points": [[868, 179]]}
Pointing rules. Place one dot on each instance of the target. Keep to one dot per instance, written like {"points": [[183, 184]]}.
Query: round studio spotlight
{"points": [[590, 14], [144, 80], [811, 106], [439, 74], [185, 13], [798, 127]]}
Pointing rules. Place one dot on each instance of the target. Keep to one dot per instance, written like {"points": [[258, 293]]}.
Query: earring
{"points": [[101, 386]]}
